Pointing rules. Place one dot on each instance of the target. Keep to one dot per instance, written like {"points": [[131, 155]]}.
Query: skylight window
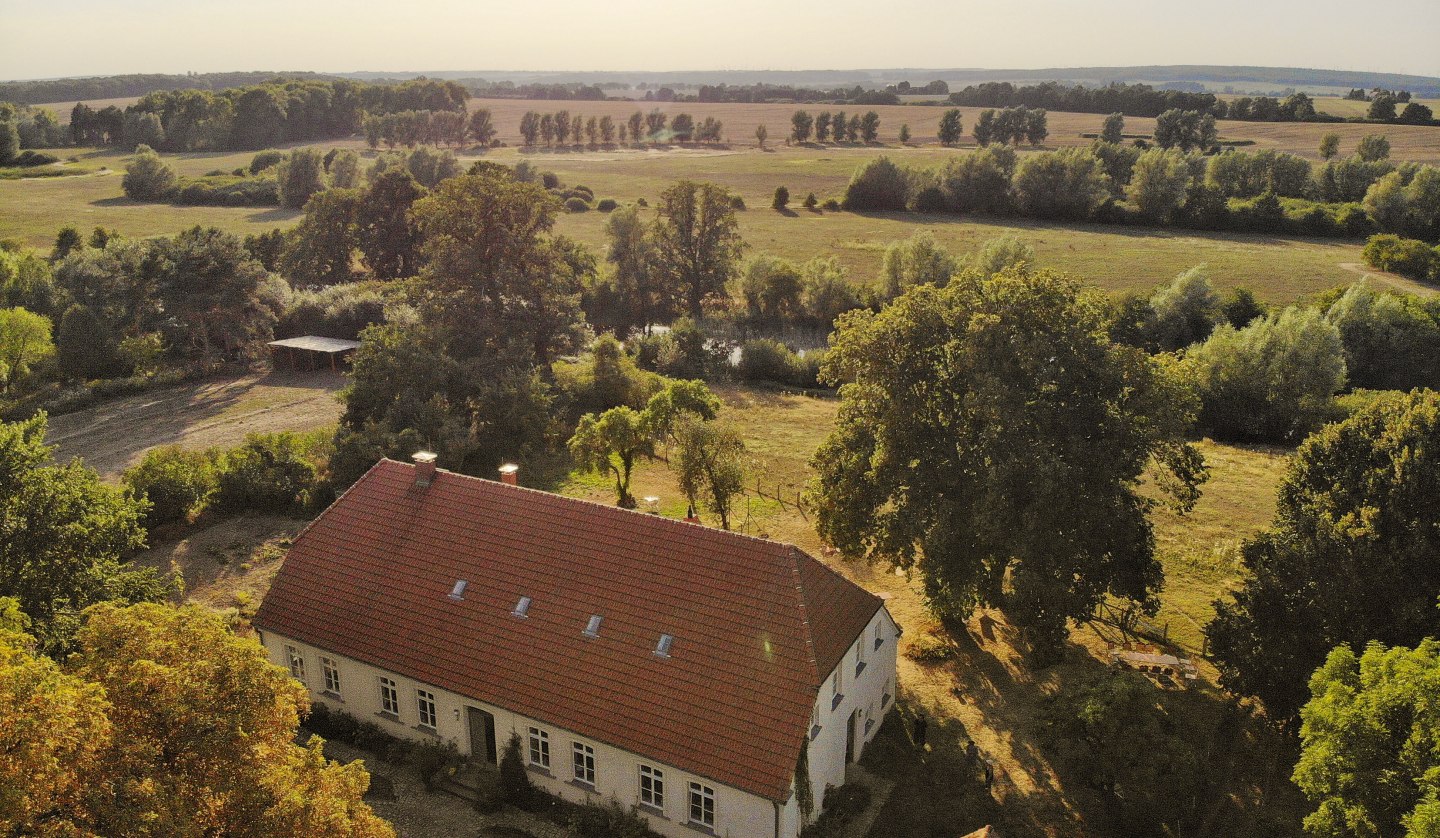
{"points": [[592, 629], [522, 608], [457, 593], [662, 649]]}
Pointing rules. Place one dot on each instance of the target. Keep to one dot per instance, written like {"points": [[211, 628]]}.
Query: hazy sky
{"points": [[42, 38]]}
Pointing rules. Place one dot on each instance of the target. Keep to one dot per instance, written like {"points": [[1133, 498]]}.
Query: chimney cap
{"points": [[423, 457], [509, 468]]}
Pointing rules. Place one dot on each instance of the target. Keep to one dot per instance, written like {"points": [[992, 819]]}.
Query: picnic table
{"points": [[1155, 663]]}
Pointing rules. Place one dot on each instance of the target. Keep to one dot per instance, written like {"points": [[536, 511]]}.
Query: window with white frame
{"points": [[879, 636], [815, 720], [888, 694], [702, 805], [296, 661], [859, 657], [389, 697], [332, 675], [652, 787], [869, 717], [539, 748], [836, 688], [584, 762], [425, 702]]}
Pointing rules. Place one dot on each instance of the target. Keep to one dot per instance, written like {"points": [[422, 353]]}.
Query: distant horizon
{"points": [[82, 38]]}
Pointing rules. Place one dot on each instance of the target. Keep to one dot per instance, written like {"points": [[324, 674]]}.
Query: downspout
{"points": [[777, 818]]}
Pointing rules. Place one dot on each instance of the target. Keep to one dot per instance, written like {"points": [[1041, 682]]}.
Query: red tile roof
{"points": [[757, 624]]}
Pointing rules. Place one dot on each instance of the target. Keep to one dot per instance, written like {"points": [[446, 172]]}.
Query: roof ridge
{"points": [[795, 556], [779, 546], [838, 575]]}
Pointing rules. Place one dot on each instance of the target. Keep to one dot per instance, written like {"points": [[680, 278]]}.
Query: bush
{"points": [[842, 805], [270, 472], [177, 483], [514, 779], [810, 201], [879, 185], [576, 204], [606, 205], [830, 205], [782, 198], [736, 203], [337, 311], [771, 360], [148, 178], [609, 821], [264, 160], [228, 191], [1407, 257], [930, 649]]}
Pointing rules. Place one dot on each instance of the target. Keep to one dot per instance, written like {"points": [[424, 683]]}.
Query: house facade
{"points": [[636, 658]]}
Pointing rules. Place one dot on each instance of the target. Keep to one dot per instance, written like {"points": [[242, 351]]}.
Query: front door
{"points": [[850, 725], [482, 734]]}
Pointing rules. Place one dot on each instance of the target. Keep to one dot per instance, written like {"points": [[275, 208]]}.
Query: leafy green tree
{"points": [[209, 288], [1382, 108], [1392, 341], [918, 261], [1113, 130], [1272, 380], [66, 536], [877, 186], [1329, 146], [1118, 735], [696, 242], [24, 341], [611, 443], [530, 128], [639, 295], [979, 182], [710, 459], [1000, 253], [148, 178], [607, 129], [761, 134], [321, 248], [1159, 183], [904, 134], [1037, 126], [1186, 311], [1422, 203], [1370, 743], [828, 291], [345, 169], [1385, 202], [949, 130], [772, 289], [65, 241], [1373, 147], [1240, 307], [300, 175], [655, 124], [782, 198], [1344, 561], [983, 428], [636, 123], [984, 129], [387, 236], [800, 125], [84, 348], [482, 127], [1069, 183], [1417, 114], [9, 142], [176, 483], [822, 126], [869, 127]]}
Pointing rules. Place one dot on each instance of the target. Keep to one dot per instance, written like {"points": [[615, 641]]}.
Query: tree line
{"points": [[761, 92], [41, 91], [561, 129], [1145, 100]]}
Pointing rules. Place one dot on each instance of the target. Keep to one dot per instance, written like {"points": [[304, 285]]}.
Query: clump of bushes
{"points": [[609, 821], [427, 758], [178, 483], [337, 311], [770, 360], [228, 191], [1407, 257], [606, 205], [930, 649], [576, 204], [842, 805], [879, 185]]}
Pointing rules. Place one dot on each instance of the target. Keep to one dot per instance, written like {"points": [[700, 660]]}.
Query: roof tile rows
{"points": [[756, 624]]}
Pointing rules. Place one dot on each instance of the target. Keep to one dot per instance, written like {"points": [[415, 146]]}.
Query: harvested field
{"points": [[116, 434]]}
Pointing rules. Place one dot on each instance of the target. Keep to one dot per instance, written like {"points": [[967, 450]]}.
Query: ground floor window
{"points": [[702, 805], [296, 661], [332, 675], [584, 763], [539, 747], [425, 701], [652, 787], [389, 697]]}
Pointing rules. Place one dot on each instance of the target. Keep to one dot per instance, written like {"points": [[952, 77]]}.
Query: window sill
{"points": [[835, 702], [581, 784], [700, 828], [879, 643], [333, 696], [652, 810], [428, 731], [539, 769], [386, 714]]}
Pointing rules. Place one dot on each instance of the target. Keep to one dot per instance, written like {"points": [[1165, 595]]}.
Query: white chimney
{"points": [[510, 473], [424, 467]]}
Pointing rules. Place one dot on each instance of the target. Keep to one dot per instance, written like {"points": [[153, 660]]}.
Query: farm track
{"points": [[114, 435]]}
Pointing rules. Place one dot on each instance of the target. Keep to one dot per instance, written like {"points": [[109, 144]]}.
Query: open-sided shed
{"points": [[311, 351]]}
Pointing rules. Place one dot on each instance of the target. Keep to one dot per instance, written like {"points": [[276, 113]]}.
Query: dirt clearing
{"points": [[115, 435]]}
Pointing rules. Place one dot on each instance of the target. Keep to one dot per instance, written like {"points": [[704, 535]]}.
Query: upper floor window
{"points": [[296, 661], [879, 635], [425, 702], [702, 805], [332, 675], [837, 686], [652, 787], [584, 760], [539, 748], [859, 657], [389, 697]]}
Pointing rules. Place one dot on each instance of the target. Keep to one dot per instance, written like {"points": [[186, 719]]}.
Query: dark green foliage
{"points": [[770, 360], [1407, 257], [148, 178], [604, 378], [300, 175], [66, 537], [576, 204], [177, 483], [265, 160], [65, 241], [610, 820], [271, 472], [781, 199], [387, 236], [1350, 557], [842, 805], [9, 142], [1391, 340], [266, 248], [606, 205], [878, 185], [1240, 307], [338, 311], [83, 346], [514, 779], [320, 250], [228, 191]]}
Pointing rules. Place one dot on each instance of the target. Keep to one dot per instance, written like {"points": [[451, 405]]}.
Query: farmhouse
{"points": [[637, 658]]}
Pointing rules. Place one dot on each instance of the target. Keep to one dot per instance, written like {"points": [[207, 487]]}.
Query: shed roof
{"points": [[756, 624], [315, 343]]}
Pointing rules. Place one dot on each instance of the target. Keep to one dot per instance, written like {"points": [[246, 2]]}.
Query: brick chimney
{"points": [[510, 473], [424, 467]]}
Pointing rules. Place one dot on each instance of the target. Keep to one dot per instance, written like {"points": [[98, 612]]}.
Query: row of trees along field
{"points": [[464, 352], [1264, 191], [564, 130], [1144, 100]]}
